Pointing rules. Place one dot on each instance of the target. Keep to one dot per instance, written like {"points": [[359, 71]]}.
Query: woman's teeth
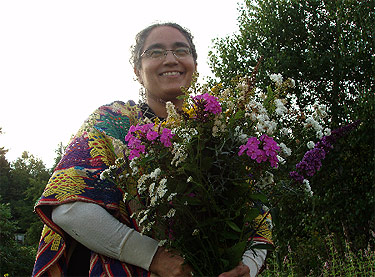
{"points": [[171, 73]]}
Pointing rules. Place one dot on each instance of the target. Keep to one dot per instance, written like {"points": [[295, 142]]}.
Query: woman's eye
{"points": [[155, 53], [182, 51]]}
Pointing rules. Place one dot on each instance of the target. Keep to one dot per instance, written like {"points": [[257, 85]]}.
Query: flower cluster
{"points": [[149, 132], [203, 176], [268, 152]]}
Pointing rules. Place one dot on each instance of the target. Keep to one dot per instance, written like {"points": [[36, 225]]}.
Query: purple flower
{"points": [[166, 137], [152, 135], [268, 151], [312, 160], [211, 103]]}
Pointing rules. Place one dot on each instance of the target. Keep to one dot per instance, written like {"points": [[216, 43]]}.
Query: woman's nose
{"points": [[170, 58]]}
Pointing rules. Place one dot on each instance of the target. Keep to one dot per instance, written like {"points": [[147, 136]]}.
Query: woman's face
{"points": [[164, 77]]}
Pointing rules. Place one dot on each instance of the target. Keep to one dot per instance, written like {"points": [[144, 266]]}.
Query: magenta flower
{"points": [[268, 152], [166, 137], [152, 135], [211, 103]]}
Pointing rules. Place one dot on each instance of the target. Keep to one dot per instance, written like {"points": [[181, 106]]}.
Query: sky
{"points": [[60, 60]]}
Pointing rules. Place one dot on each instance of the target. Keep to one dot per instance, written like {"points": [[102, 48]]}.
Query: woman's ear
{"points": [[137, 73]]}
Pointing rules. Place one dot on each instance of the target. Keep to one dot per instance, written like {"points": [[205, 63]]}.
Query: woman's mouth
{"points": [[171, 73]]}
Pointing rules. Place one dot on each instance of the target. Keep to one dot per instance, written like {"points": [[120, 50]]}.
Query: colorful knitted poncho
{"points": [[96, 146]]}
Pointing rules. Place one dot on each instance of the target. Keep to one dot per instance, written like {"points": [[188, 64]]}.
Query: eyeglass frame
{"points": [[190, 53]]}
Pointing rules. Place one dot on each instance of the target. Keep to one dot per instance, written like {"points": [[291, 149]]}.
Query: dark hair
{"points": [[137, 49]]}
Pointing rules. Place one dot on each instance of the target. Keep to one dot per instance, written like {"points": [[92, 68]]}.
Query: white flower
{"points": [[162, 190], [195, 232], [189, 179], [308, 187], [170, 197], [171, 110], [310, 145], [133, 165], [292, 83], [179, 154], [171, 213], [281, 159], [268, 179], [126, 195], [153, 200], [155, 173], [260, 127], [287, 151], [285, 131], [319, 134], [271, 127], [327, 132], [142, 179], [280, 108], [143, 219], [162, 242], [215, 131], [277, 78], [105, 174], [151, 189]]}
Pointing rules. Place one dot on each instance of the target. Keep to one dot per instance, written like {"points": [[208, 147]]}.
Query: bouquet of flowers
{"points": [[202, 178]]}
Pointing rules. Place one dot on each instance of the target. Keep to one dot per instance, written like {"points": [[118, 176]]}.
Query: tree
{"points": [[325, 46], [15, 259]]}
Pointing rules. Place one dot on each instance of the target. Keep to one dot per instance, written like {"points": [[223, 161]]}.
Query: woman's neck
{"points": [[158, 105]]}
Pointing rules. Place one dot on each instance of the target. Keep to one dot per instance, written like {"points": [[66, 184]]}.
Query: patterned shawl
{"points": [[95, 147]]}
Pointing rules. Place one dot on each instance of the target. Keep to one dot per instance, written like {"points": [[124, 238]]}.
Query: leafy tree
{"points": [[29, 177], [325, 46], [15, 259]]}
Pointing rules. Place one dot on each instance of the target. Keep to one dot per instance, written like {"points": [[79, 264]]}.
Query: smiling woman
{"points": [[85, 215]]}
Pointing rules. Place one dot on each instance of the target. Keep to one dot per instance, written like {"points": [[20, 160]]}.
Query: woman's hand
{"points": [[169, 263], [239, 271]]}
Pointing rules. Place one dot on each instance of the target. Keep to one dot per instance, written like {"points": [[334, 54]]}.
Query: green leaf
{"points": [[234, 226], [260, 197], [251, 215], [235, 253], [230, 235]]}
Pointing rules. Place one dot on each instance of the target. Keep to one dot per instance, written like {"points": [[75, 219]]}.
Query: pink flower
{"points": [[211, 103], [269, 151], [166, 137], [152, 135]]}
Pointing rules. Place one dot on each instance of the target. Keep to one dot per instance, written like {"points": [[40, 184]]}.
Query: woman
{"points": [[87, 225]]}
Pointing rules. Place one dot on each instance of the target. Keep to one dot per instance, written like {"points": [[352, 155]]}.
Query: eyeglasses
{"points": [[159, 53]]}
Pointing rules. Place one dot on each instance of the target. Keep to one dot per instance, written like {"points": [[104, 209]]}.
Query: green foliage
{"points": [[15, 259], [21, 184], [349, 263], [325, 46]]}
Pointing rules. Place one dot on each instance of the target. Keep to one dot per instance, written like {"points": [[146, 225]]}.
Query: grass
{"points": [[350, 263]]}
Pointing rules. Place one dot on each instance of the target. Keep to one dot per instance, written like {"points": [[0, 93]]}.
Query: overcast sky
{"points": [[60, 60]]}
